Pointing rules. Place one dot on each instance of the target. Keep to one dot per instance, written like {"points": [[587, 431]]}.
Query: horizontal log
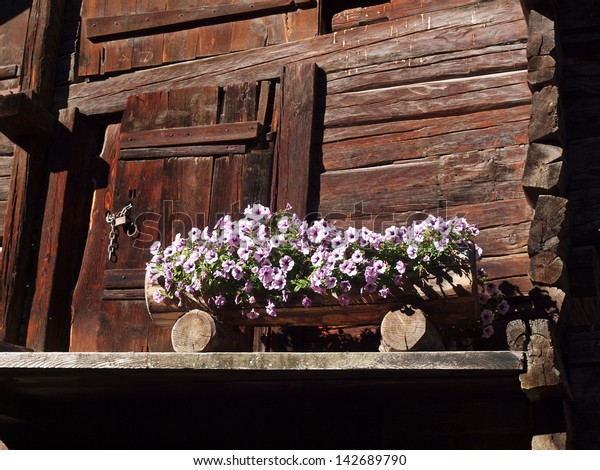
{"points": [[22, 118], [7, 148], [448, 296], [502, 267], [459, 62], [378, 43], [9, 71], [186, 151], [501, 213], [4, 187], [460, 179], [504, 239], [392, 10], [449, 97], [140, 24], [366, 145], [6, 166], [228, 132]]}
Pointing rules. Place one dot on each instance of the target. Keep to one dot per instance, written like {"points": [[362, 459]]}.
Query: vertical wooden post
{"points": [[295, 136], [63, 233], [39, 64]]}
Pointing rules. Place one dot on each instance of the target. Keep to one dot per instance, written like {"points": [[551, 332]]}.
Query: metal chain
{"points": [[115, 220]]}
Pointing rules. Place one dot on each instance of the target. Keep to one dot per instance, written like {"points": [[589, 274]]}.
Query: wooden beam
{"points": [[143, 153], [66, 217], [9, 71], [23, 119], [295, 136], [143, 23], [417, 362], [228, 132], [22, 215], [404, 41]]}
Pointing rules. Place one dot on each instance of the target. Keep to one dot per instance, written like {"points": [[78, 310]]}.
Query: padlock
{"points": [[120, 220]]}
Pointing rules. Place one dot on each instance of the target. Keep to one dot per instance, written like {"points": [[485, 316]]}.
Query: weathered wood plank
{"points": [[180, 45], [229, 132], [22, 118], [39, 61], [90, 54], [239, 103], [474, 177], [441, 66], [148, 50], [295, 136], [144, 153], [392, 10], [365, 145], [9, 71], [145, 111], [63, 233], [118, 54], [501, 267], [141, 23], [214, 40], [6, 166], [440, 98], [370, 45], [426, 361]]}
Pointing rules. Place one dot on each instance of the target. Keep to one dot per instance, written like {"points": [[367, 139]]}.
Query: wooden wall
{"points": [[422, 107], [426, 110], [14, 15]]}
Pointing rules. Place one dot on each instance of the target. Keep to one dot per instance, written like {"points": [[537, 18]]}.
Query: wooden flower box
{"points": [[409, 316]]}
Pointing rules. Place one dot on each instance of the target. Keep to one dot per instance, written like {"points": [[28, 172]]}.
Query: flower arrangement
{"points": [[492, 303], [266, 260]]}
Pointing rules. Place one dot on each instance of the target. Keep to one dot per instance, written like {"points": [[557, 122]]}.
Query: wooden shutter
{"points": [[182, 158], [120, 35]]}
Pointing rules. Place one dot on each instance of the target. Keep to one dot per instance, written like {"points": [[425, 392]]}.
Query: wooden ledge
{"points": [[23, 119], [416, 362]]}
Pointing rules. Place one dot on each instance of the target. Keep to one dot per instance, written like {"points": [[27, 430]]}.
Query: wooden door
{"points": [[182, 158]]}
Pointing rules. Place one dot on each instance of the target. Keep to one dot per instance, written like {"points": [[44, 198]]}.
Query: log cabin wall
{"points": [[421, 108], [14, 15], [455, 107]]}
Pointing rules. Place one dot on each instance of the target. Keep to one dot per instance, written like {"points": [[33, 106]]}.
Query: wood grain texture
{"points": [[173, 136], [497, 361], [63, 233], [39, 61], [495, 23], [295, 136], [23, 119], [408, 329], [544, 172], [149, 20]]}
